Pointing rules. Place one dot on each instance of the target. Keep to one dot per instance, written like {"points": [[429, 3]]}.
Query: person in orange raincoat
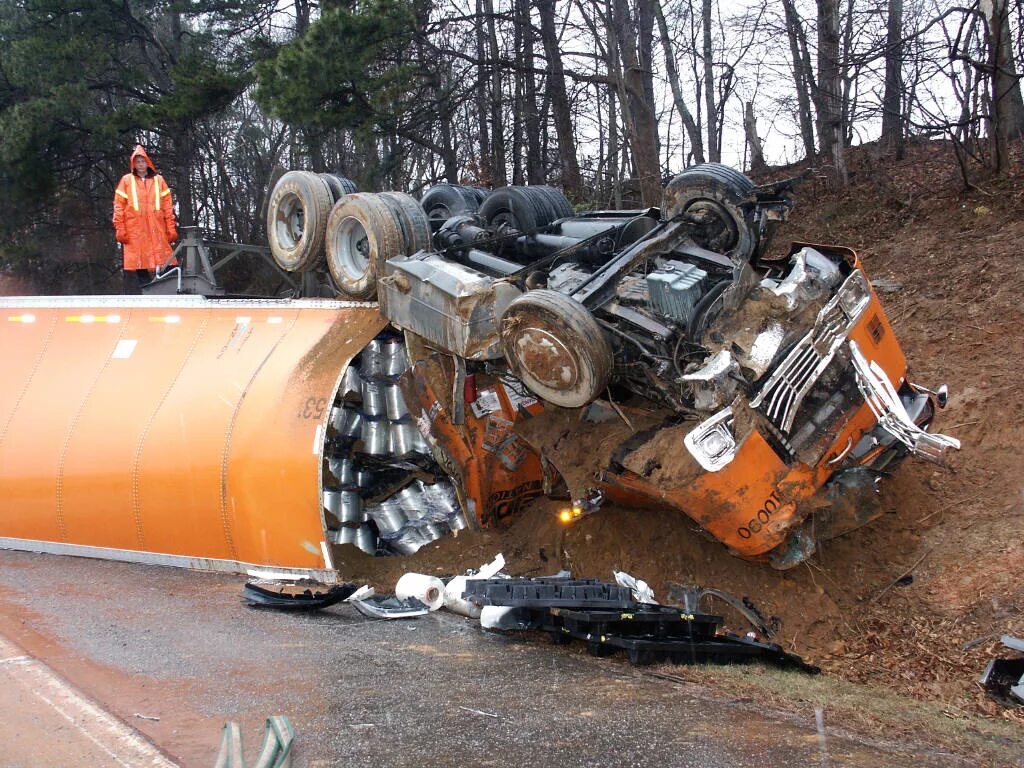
{"points": [[144, 220]]}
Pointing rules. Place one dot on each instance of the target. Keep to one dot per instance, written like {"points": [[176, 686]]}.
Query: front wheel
{"points": [[556, 347]]}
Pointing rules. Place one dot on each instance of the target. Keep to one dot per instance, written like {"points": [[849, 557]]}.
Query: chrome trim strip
{"points": [[156, 558], [788, 385], [885, 403], [174, 302]]}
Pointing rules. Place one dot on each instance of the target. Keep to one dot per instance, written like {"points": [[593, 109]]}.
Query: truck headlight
{"points": [[854, 295], [712, 442]]}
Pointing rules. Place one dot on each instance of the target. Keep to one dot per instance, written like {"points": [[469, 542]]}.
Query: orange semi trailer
{"points": [[179, 431]]}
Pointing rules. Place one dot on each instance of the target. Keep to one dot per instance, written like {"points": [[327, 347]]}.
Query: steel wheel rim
{"points": [[290, 221], [352, 246]]}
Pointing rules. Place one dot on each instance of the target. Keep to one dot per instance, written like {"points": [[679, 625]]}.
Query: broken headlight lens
{"points": [[854, 295]]}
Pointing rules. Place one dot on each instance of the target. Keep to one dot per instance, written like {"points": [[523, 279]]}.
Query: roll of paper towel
{"points": [[427, 589]]}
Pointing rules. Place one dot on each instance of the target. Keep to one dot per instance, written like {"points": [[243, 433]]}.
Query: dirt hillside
{"points": [[948, 264]]}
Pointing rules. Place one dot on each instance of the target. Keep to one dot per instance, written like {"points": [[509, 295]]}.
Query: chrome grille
{"points": [[788, 385]]}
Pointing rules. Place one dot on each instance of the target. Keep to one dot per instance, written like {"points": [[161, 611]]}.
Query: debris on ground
{"points": [[294, 595], [609, 618], [429, 590], [368, 603], [1003, 679], [275, 751], [456, 586]]}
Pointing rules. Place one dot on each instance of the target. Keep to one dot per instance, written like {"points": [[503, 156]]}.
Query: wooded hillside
{"points": [[604, 99]]}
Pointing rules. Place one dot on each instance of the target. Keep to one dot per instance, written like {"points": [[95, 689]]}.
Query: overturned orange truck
{"points": [[656, 358]]}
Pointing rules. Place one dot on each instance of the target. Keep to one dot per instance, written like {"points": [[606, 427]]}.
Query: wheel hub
{"points": [[546, 358]]}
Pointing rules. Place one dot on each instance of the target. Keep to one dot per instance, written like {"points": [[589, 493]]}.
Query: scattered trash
{"points": [[275, 751], [368, 603], [642, 593], [146, 717], [297, 595], [454, 589], [479, 712], [1003, 679], [609, 619], [504, 618], [429, 590]]}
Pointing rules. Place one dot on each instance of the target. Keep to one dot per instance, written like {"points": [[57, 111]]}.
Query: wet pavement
{"points": [[151, 642]]}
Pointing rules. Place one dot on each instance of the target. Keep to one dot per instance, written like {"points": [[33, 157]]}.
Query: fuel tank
{"points": [[179, 430]]}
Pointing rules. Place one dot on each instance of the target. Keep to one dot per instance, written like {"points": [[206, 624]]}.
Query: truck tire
{"points": [[339, 185], [512, 208], [559, 202], [556, 347], [442, 201], [411, 219], [361, 235], [722, 195], [297, 220]]}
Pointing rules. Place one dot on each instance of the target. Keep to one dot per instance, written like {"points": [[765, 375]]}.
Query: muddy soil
{"points": [[948, 265]]}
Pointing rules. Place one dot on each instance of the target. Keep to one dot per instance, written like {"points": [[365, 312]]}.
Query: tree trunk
{"points": [[692, 130], [828, 93], [531, 117], [642, 123], [484, 173], [498, 157], [892, 100], [757, 163], [559, 100], [1007, 104], [709, 84]]}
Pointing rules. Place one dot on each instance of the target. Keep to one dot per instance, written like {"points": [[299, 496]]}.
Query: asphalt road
{"points": [[150, 642]]}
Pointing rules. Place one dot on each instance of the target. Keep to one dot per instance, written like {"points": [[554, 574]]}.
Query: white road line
{"points": [[124, 745]]}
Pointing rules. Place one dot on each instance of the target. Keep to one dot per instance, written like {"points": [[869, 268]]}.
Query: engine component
{"points": [[554, 345], [567, 278], [675, 290], [452, 306], [714, 383]]}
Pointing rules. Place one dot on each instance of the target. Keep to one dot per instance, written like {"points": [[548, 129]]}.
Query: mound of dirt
{"points": [[948, 267]]}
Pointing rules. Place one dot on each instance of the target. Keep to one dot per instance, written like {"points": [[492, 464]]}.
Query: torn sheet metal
{"points": [[714, 383], [368, 603], [297, 595]]}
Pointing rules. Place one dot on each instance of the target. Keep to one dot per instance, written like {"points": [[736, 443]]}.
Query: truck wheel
{"points": [[512, 208], [411, 220], [720, 195], [442, 201], [556, 347], [560, 204], [361, 235], [339, 185], [297, 220]]}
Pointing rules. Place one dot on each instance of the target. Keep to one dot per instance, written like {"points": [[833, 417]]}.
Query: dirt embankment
{"points": [[950, 272]]}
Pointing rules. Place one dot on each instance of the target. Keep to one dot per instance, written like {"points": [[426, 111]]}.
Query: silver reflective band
{"points": [[712, 442], [885, 403]]}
